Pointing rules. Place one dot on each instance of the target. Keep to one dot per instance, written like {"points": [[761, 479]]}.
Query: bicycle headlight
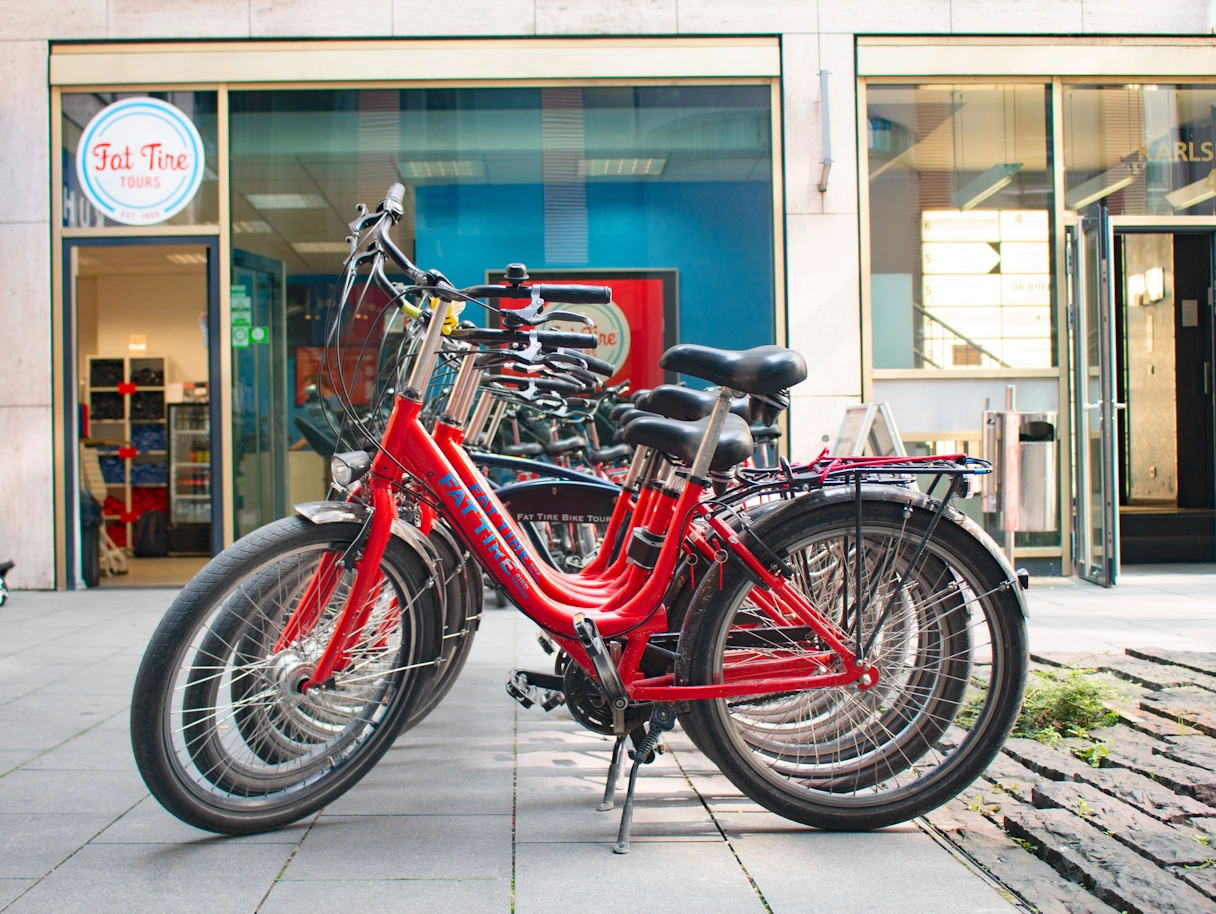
{"points": [[349, 467]]}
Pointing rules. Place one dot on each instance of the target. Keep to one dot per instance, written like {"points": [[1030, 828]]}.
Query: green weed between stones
{"points": [[1058, 703]]}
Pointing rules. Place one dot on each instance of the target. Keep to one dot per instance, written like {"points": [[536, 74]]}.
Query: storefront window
{"points": [[960, 190], [80, 109], [664, 193], [1140, 149]]}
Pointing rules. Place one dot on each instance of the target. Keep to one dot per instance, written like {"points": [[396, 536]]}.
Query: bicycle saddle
{"points": [[765, 432], [563, 445], [677, 402], [762, 370], [638, 394], [608, 454], [527, 449], [681, 439], [619, 410]]}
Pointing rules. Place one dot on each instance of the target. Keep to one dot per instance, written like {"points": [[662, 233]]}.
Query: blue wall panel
{"points": [[718, 235]]}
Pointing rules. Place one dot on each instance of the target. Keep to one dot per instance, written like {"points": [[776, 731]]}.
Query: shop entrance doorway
{"points": [[1163, 373], [1144, 412], [142, 409]]}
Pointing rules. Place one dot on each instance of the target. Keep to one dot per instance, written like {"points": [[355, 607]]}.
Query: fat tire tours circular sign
{"points": [[140, 161], [611, 326]]}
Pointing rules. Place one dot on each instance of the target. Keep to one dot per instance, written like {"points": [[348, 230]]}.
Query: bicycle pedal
{"points": [[531, 688], [546, 644]]}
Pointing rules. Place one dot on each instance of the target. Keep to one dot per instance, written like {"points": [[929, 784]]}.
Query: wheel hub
{"points": [[290, 673]]}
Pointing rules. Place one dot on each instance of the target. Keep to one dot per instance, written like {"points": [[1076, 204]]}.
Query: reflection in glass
{"points": [[960, 226], [1140, 149], [671, 178]]}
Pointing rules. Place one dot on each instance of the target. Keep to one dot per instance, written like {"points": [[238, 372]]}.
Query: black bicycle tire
{"points": [[704, 718], [154, 680]]}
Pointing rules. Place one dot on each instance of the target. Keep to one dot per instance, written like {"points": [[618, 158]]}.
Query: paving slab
{"points": [[31, 845], [153, 879], [406, 847], [388, 896]]}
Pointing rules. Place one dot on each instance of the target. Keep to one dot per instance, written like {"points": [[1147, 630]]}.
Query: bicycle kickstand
{"points": [[614, 775], [662, 719]]}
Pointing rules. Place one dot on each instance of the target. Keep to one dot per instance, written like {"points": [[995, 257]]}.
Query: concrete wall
{"points": [[822, 246]]}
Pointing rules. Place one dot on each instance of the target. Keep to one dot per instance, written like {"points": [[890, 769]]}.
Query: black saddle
{"points": [[762, 370], [765, 432], [527, 449], [639, 394], [619, 410], [565, 445], [609, 454], [677, 402], [681, 440]]}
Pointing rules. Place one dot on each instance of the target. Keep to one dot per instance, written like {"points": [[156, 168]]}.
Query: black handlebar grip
{"points": [[393, 202], [599, 366], [574, 295], [498, 292], [567, 340]]}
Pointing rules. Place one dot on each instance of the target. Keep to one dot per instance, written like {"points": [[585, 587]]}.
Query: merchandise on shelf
{"points": [[148, 437], [148, 377], [112, 470], [148, 473], [113, 506], [149, 499], [106, 405], [147, 404], [106, 373]]}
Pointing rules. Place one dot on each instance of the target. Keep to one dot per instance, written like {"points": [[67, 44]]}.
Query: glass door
{"points": [[1090, 308], [259, 391]]}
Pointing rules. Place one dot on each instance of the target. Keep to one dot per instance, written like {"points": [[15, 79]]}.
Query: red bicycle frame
{"points": [[629, 604]]}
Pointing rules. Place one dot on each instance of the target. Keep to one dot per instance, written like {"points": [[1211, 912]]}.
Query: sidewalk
{"points": [[485, 807], [1170, 606]]}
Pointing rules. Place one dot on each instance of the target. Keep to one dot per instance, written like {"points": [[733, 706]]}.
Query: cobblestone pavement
{"points": [[1125, 819], [484, 807]]}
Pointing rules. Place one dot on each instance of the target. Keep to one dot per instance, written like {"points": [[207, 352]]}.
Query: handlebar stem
{"points": [[428, 353]]}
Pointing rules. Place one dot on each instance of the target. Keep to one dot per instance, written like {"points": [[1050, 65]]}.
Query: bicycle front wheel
{"points": [[222, 735], [950, 654]]}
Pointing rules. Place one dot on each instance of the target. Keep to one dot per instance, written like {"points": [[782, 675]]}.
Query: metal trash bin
{"points": [[1022, 489], [1036, 507]]}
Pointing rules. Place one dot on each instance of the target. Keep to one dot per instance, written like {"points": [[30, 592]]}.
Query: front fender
{"points": [[333, 512]]}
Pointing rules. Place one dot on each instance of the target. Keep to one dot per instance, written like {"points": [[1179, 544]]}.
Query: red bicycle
{"points": [[848, 649]]}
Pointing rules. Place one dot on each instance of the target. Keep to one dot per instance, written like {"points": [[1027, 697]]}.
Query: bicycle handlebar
{"points": [[549, 292], [544, 337]]}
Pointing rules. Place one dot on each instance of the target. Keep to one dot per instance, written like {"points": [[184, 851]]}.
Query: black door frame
{"points": [[71, 399]]}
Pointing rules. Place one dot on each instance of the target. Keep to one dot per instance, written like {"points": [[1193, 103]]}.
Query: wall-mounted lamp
{"points": [[978, 190]]}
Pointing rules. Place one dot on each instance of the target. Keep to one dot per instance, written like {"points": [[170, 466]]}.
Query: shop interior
{"points": [[1163, 333], [145, 437]]}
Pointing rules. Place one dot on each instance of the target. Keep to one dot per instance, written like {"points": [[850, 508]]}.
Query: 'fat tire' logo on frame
{"points": [[140, 161]]}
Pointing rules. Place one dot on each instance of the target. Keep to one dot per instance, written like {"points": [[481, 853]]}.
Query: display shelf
{"points": [[114, 420]]}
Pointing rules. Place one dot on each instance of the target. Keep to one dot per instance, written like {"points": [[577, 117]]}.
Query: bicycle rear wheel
{"points": [[222, 736], [951, 659]]}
